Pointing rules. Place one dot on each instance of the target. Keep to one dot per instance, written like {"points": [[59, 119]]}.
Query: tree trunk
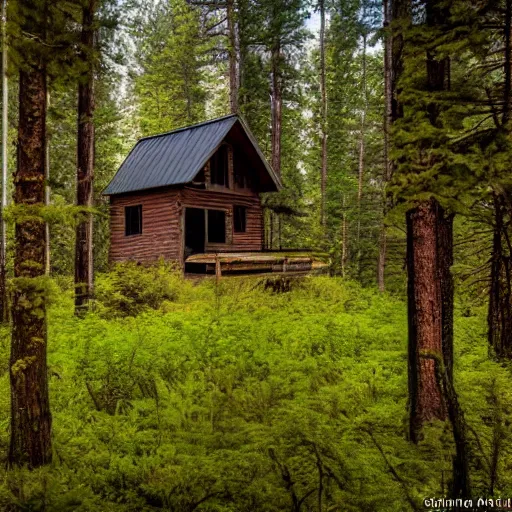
{"points": [[388, 120], [277, 107], [429, 306], [85, 168], [360, 178], [499, 315], [400, 13], [30, 410], [47, 193], [4, 306], [323, 92], [234, 56], [271, 230], [381, 264], [430, 285], [344, 239], [507, 68]]}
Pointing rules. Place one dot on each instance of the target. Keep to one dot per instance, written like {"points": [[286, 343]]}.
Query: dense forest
{"points": [[382, 385]]}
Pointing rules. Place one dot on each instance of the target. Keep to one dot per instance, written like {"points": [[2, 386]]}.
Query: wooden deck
{"points": [[253, 263]]}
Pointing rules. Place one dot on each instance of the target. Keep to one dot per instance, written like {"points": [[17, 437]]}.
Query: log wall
{"points": [[252, 239], [161, 227], [163, 223]]}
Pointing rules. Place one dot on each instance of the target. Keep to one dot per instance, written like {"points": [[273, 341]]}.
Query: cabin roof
{"points": [[176, 157]]}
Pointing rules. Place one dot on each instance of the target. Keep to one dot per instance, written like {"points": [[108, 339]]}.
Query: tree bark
{"points": [[47, 193], [85, 169], [323, 93], [344, 239], [507, 68], [499, 314], [30, 410], [4, 303], [277, 107], [430, 284], [425, 227], [388, 120], [381, 263], [360, 174], [234, 56]]}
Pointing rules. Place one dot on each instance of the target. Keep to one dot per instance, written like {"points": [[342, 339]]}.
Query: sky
{"points": [[313, 23]]}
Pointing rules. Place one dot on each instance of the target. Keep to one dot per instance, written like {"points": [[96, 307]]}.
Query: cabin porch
{"points": [[258, 262]]}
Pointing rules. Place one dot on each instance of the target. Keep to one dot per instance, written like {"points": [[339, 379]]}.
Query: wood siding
{"points": [[161, 227], [163, 223], [252, 239]]}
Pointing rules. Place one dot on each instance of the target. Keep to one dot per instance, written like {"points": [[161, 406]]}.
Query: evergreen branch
{"points": [[208, 29], [40, 41]]}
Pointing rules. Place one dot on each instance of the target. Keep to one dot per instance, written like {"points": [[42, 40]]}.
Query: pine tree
{"points": [[84, 273], [4, 306], [172, 54], [30, 411], [323, 93]]}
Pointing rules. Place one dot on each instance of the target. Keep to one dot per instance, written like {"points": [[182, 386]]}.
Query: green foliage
{"points": [[172, 51], [131, 288], [231, 398]]}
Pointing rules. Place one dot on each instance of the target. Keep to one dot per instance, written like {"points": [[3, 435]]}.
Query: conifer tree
{"points": [[30, 411], [429, 254], [323, 93], [172, 54], [84, 273], [4, 306]]}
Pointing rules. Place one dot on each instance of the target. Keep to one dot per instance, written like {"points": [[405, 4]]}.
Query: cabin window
{"points": [[219, 167], [133, 220], [239, 179], [239, 219], [217, 226]]}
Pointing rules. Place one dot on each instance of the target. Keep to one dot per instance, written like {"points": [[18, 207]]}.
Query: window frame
{"points": [[128, 221]]}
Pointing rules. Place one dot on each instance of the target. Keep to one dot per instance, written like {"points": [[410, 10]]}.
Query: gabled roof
{"points": [[176, 157]]}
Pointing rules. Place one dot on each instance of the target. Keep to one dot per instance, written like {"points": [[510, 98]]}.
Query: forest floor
{"points": [[230, 398]]}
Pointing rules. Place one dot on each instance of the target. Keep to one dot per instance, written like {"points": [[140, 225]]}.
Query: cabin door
{"points": [[194, 231]]}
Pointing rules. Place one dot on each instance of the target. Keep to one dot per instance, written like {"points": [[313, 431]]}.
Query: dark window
{"points": [[239, 219], [239, 175], [239, 179], [133, 220], [217, 226], [219, 167]]}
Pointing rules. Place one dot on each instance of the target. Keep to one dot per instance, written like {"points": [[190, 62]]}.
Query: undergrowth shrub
{"points": [[130, 288], [224, 397]]}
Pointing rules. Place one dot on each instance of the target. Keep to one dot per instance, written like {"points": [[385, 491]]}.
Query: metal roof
{"points": [[176, 157]]}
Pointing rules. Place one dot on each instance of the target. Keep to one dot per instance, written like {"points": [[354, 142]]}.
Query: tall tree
{"points": [[388, 119], [47, 269], [361, 162], [234, 55], [429, 257], [4, 314], [172, 53], [85, 160], [30, 410], [499, 316], [323, 100], [280, 30]]}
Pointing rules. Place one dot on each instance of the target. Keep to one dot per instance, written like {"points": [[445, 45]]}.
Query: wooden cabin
{"points": [[195, 190]]}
